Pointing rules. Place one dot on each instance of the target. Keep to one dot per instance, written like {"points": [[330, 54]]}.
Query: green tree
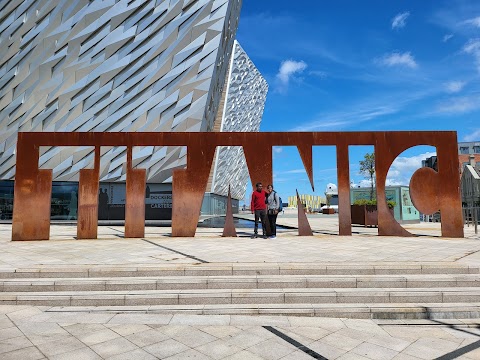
{"points": [[328, 198], [367, 169]]}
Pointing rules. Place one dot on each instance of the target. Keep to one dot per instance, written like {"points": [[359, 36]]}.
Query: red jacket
{"points": [[258, 200]]}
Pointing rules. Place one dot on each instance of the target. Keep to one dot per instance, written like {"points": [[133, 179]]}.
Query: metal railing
{"points": [[471, 216], [430, 218]]}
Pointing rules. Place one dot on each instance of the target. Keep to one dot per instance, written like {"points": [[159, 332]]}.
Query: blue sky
{"points": [[352, 65]]}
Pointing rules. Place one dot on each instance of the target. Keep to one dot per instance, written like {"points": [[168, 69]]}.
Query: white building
{"points": [[124, 66], [470, 184]]}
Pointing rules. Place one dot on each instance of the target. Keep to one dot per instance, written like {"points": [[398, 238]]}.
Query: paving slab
{"points": [[74, 255], [146, 331], [242, 336]]}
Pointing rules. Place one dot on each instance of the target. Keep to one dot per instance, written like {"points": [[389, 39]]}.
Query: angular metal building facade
{"points": [[111, 66], [122, 65], [245, 96]]}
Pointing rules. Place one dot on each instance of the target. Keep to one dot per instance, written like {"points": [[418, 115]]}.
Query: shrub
{"points": [[391, 204]]}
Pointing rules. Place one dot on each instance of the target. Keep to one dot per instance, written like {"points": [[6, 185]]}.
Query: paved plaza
{"points": [[364, 246], [43, 328], [152, 109], [28, 332]]}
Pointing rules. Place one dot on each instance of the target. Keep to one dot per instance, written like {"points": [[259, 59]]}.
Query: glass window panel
{"points": [[64, 204], [6, 200]]}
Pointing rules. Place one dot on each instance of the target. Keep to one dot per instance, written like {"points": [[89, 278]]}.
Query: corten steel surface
{"points": [[304, 228], [305, 152], [189, 185], [88, 187], [33, 186], [135, 200], [33, 192], [229, 228], [260, 167], [343, 174]]}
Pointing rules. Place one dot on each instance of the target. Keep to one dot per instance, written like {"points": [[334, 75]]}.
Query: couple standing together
{"points": [[265, 203]]}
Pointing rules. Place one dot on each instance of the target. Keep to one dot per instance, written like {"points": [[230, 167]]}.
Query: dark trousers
{"points": [[260, 215], [272, 219]]}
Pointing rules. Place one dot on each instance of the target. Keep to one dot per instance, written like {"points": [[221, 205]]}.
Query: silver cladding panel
{"points": [[112, 65], [244, 105]]}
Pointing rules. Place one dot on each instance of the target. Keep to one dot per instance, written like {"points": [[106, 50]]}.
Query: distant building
{"points": [[404, 211], [468, 154], [126, 66], [313, 202], [430, 162], [465, 151], [467, 148], [331, 195], [470, 183]]}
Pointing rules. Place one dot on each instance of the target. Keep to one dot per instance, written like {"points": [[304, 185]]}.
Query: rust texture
{"points": [[135, 200], [88, 187], [33, 192], [258, 156], [307, 159], [304, 228], [431, 191], [343, 174], [189, 185], [229, 228]]}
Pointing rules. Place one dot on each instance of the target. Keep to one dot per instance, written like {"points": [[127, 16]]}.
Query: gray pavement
{"points": [[210, 247], [129, 332], [28, 332]]}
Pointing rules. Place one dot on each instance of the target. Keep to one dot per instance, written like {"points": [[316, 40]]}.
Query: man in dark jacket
{"points": [[259, 208]]}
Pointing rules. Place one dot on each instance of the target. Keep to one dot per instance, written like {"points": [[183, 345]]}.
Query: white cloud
{"points": [[456, 16], [403, 168], [472, 47], [398, 59], [474, 21], [474, 136], [460, 105], [295, 171], [364, 183], [341, 120], [447, 37], [454, 86], [374, 112], [399, 21], [303, 171], [276, 152], [393, 182], [319, 73], [287, 70]]}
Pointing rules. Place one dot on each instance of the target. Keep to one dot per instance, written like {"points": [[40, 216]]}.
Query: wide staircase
{"points": [[380, 291]]}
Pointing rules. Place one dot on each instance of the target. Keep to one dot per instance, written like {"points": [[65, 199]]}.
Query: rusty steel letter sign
{"points": [[430, 190]]}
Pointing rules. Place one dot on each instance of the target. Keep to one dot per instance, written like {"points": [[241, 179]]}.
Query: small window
{"points": [[476, 149], [463, 149]]}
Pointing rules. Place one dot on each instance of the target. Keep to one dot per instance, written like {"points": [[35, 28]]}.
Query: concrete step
{"points": [[235, 269], [239, 282], [243, 296], [359, 311]]}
